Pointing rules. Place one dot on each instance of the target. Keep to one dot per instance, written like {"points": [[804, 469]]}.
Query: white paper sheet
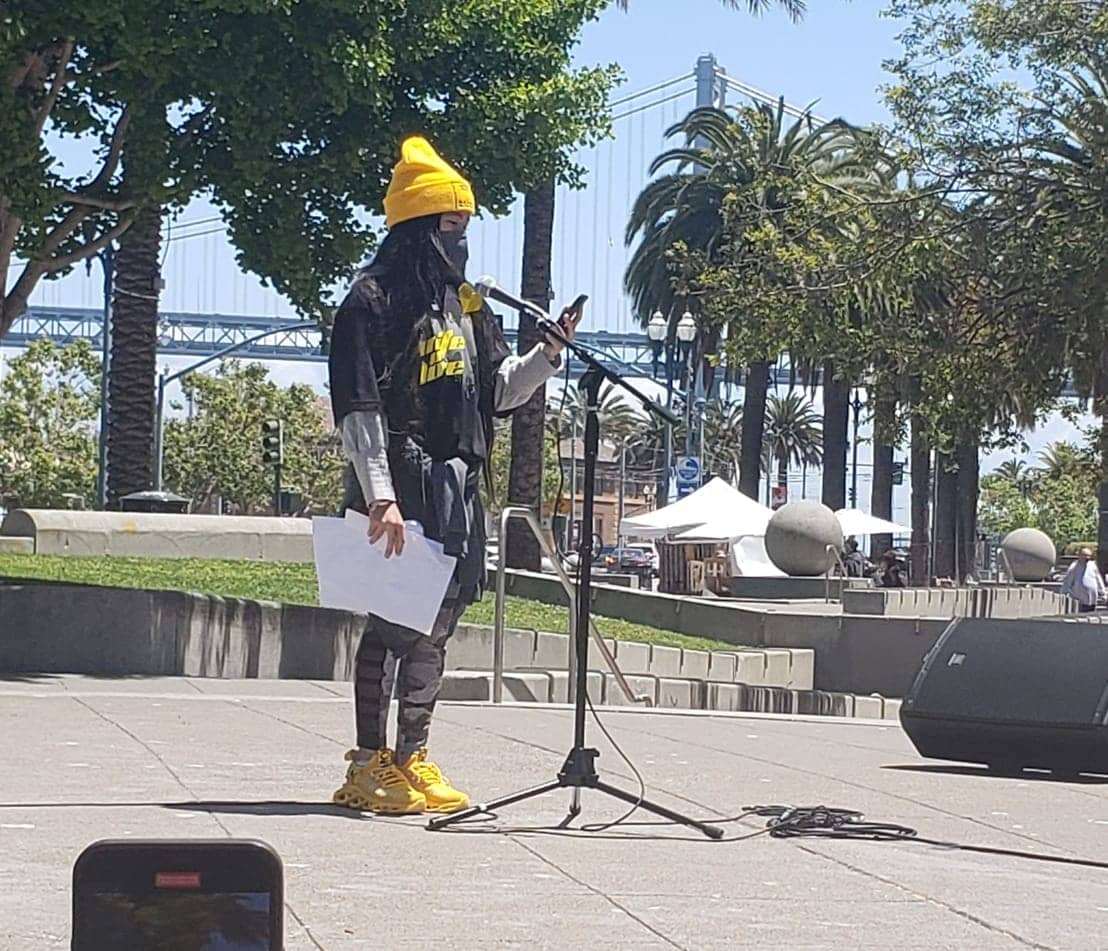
{"points": [[406, 589]]}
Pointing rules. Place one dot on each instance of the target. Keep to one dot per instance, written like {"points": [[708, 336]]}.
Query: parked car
{"points": [[637, 558]]}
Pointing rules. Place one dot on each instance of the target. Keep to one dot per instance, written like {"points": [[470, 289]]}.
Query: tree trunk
{"points": [[920, 464], [881, 492], [946, 516], [783, 477], [969, 474], [132, 381], [753, 428], [525, 472], [836, 419]]}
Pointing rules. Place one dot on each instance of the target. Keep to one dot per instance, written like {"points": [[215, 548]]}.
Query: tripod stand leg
{"points": [[441, 822], [574, 808], [713, 832]]}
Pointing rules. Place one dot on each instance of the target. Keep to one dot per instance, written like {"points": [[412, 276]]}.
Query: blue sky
{"points": [[655, 41], [834, 56]]}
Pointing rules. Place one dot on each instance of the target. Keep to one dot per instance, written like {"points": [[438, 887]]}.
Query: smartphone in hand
{"points": [[571, 315], [186, 893]]}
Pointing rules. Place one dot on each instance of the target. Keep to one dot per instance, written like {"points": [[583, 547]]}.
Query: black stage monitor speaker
{"points": [[1014, 694]]}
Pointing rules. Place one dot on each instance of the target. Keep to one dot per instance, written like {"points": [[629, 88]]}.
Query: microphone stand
{"points": [[579, 770]]}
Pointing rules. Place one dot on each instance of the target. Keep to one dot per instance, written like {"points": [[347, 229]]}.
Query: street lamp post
{"points": [[164, 379], [686, 334], [701, 412], [622, 481], [857, 407], [657, 330]]}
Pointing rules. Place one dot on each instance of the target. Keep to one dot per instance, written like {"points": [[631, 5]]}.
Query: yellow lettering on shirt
{"points": [[441, 355]]}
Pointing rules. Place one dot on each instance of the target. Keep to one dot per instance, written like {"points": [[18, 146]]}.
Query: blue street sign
{"points": [[688, 469]]}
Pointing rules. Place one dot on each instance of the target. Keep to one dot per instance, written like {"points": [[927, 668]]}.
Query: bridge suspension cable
{"points": [[657, 87], [760, 95], [657, 102]]}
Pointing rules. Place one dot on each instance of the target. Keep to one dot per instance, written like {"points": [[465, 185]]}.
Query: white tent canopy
{"points": [[714, 512], [857, 522], [749, 558]]}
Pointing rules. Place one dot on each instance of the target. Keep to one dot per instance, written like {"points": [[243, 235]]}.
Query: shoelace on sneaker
{"points": [[427, 771], [389, 775]]}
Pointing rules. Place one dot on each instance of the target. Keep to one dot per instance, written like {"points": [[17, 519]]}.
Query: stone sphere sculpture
{"points": [[1030, 553], [798, 535]]}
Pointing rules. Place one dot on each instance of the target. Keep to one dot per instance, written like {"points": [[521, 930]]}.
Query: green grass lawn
{"points": [[296, 584]]}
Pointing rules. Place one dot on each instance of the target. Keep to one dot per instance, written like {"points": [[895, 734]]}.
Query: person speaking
{"points": [[418, 370]]}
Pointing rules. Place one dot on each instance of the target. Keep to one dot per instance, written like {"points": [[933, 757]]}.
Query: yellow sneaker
{"points": [[428, 779], [378, 786]]}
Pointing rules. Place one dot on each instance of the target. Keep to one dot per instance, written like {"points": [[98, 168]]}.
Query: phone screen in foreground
{"points": [[178, 920]]}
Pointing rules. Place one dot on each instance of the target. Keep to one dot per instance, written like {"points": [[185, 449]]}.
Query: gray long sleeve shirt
{"points": [[365, 433]]}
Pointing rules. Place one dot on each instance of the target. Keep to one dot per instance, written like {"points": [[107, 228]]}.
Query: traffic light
{"points": [[898, 473], [273, 442]]}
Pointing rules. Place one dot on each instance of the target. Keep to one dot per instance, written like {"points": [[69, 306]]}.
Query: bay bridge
{"points": [[202, 335], [590, 253]]}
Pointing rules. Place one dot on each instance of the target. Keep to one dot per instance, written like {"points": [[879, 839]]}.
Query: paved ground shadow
{"points": [[267, 807], [1041, 776]]}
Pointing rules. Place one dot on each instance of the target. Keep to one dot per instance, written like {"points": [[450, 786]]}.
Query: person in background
{"points": [[418, 369], [891, 574], [853, 560], [1083, 582]]}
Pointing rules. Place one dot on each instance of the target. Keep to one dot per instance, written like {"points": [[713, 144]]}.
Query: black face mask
{"points": [[456, 248]]}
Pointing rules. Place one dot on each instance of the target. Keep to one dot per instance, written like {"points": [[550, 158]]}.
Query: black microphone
{"points": [[487, 287]]}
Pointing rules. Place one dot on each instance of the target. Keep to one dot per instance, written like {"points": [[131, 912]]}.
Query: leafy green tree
{"points": [[500, 464], [1003, 507], [296, 170], [1024, 162], [49, 401], [291, 167], [215, 450], [794, 8], [1066, 510]]}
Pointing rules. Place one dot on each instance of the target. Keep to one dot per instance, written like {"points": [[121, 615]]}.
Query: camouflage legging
{"points": [[387, 654]]}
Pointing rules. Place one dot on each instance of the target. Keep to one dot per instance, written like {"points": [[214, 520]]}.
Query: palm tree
{"points": [[1019, 473], [131, 383], [793, 434], [685, 204], [618, 420], [1061, 459], [1013, 470], [723, 427], [1056, 172], [525, 476]]}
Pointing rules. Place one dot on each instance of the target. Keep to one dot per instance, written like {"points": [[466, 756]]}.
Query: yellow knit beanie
{"points": [[423, 184]]}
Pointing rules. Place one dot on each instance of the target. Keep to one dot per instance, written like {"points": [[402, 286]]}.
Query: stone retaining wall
{"points": [[152, 535], [853, 653], [992, 602], [60, 628]]}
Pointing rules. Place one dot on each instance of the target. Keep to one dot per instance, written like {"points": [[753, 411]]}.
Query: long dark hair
{"points": [[412, 268]]}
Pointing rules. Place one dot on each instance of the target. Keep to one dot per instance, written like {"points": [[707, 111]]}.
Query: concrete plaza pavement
{"points": [[88, 758]]}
